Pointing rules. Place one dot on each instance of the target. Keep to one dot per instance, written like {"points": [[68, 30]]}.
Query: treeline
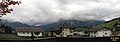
{"points": [[8, 29], [113, 20]]}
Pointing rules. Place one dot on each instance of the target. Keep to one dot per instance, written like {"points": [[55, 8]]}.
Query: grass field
{"points": [[108, 25], [9, 36]]}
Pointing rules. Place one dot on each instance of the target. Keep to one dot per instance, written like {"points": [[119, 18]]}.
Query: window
{"points": [[65, 34], [66, 30], [75, 34], [27, 32], [71, 31], [60, 35], [105, 33], [105, 30], [23, 32], [94, 32], [91, 35], [94, 35]]}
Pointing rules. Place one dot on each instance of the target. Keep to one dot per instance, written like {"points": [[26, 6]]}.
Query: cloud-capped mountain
{"points": [[13, 24], [71, 23]]}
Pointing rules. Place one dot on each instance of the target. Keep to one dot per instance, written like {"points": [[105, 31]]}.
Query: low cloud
{"points": [[48, 11]]}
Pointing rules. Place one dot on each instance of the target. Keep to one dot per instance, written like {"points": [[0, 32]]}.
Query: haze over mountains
{"points": [[13, 24], [71, 23]]}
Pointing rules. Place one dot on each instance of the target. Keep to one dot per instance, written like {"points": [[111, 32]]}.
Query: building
{"points": [[29, 31], [54, 33], [80, 32], [117, 26], [99, 32], [66, 31], [116, 29], [62, 31]]}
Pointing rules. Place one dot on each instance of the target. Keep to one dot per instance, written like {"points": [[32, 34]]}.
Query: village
{"points": [[64, 31]]}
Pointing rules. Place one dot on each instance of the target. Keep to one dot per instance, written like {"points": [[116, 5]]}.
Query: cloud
{"points": [[48, 11]]}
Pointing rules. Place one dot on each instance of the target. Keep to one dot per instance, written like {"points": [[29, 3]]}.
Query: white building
{"points": [[66, 32], [100, 32], [80, 31], [28, 31]]}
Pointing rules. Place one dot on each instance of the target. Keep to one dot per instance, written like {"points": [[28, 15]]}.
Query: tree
{"points": [[2, 25], [8, 29], [32, 36], [4, 4], [37, 33]]}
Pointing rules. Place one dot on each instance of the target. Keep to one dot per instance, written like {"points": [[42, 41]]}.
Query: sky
{"points": [[42, 12]]}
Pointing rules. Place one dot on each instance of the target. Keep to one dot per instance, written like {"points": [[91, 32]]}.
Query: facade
{"points": [[80, 32], [54, 33], [66, 32], [28, 31], [100, 32], [116, 29], [117, 26], [62, 31]]}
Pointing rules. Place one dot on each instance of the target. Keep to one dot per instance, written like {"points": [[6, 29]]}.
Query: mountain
{"points": [[108, 24], [71, 23], [13, 24]]}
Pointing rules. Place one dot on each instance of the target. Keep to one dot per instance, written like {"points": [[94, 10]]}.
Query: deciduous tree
{"points": [[37, 33], [4, 6]]}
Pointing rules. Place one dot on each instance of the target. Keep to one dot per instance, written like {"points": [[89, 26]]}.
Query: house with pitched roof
{"points": [[116, 29], [28, 31], [80, 32], [100, 32], [62, 31]]}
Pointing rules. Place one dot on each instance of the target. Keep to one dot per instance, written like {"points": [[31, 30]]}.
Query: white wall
{"points": [[101, 33], [27, 34], [104, 33], [40, 34], [66, 32], [79, 32], [92, 34], [23, 34]]}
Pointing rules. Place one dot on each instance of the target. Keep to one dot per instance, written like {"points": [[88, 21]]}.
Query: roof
{"points": [[79, 29], [97, 29], [28, 29], [116, 32]]}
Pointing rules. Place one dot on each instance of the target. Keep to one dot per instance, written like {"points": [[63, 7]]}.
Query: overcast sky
{"points": [[48, 11]]}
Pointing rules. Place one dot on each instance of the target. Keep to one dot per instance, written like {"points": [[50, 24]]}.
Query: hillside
{"points": [[71, 23], [108, 24], [13, 24]]}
